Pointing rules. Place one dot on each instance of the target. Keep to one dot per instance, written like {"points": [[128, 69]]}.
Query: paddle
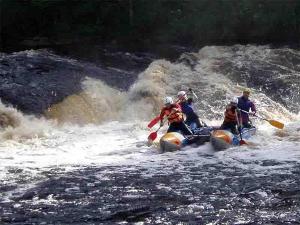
{"points": [[153, 135], [242, 142], [191, 90], [194, 94], [274, 123], [154, 121]]}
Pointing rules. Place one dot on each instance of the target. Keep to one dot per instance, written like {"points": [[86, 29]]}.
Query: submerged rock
{"points": [[34, 80]]}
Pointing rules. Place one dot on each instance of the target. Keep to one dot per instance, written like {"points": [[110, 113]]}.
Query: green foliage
{"points": [[195, 22]]}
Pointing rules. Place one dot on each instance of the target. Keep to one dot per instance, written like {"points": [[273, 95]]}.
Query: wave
{"points": [[215, 73], [14, 125]]}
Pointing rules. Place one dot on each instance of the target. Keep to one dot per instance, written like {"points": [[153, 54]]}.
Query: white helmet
{"points": [[234, 100], [182, 95], [168, 100]]}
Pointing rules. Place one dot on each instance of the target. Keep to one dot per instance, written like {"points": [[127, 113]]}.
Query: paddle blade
{"points": [[242, 142], [154, 121], [152, 136], [276, 124]]}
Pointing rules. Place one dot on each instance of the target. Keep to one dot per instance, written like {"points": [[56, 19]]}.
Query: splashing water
{"points": [[93, 167]]}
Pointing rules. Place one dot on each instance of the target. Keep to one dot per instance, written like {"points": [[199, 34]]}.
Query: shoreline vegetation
{"points": [[140, 24]]}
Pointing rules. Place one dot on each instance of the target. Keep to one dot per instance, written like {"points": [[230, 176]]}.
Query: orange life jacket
{"points": [[173, 113], [230, 115]]}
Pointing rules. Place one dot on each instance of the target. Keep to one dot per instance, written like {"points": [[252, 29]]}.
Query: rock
{"points": [[34, 80]]}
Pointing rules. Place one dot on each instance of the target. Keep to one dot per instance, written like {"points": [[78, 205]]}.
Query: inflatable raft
{"points": [[223, 139], [174, 141]]}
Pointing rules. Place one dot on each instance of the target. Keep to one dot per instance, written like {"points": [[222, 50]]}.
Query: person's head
{"points": [[234, 102], [168, 101], [182, 96], [246, 93]]}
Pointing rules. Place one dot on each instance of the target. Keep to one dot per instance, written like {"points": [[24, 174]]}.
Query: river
{"points": [[85, 160]]}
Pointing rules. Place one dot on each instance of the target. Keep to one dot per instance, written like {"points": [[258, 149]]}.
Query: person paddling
{"points": [[175, 117], [192, 119], [232, 117], [245, 105]]}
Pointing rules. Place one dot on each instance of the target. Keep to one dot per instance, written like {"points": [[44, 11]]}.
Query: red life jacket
{"points": [[173, 113]]}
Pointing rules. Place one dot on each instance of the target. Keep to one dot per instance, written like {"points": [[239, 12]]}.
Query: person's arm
{"points": [[226, 111], [190, 100], [253, 108], [191, 111], [162, 114], [176, 108]]}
